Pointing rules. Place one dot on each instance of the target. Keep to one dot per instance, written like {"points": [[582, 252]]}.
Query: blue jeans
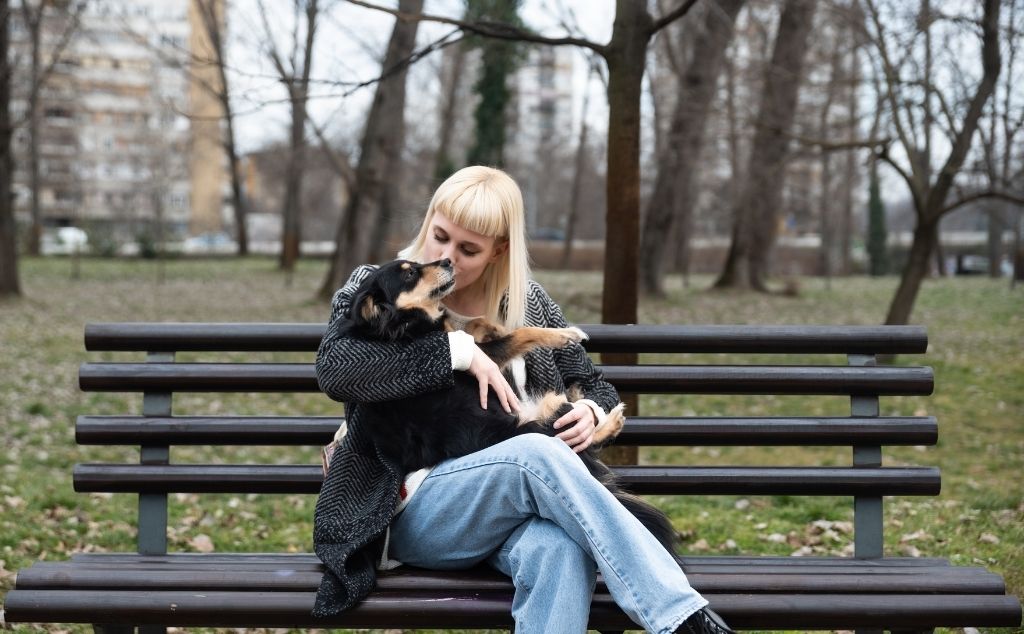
{"points": [[529, 508]]}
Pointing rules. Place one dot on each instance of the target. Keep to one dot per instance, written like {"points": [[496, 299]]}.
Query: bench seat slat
{"points": [[751, 579], [647, 379], [205, 478], [155, 337], [639, 430], [493, 609], [310, 559]]}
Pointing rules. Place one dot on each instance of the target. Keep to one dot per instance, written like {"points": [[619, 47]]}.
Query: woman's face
{"points": [[469, 251]]}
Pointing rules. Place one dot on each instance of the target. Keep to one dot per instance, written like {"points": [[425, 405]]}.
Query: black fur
{"points": [[423, 430]]}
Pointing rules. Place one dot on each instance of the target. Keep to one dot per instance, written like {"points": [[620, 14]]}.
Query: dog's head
{"points": [[401, 299]]}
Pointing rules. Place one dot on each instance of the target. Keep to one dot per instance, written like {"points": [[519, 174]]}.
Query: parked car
{"points": [[64, 241]]}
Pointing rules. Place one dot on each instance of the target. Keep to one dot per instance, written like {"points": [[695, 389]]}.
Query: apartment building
{"points": [[119, 150]]}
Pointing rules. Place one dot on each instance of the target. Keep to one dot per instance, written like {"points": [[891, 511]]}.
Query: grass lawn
{"points": [[975, 325]]}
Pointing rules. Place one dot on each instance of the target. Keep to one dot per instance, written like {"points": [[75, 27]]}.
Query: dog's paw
{"points": [[612, 425], [572, 335]]}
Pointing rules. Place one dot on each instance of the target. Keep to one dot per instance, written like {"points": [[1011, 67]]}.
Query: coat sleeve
{"points": [[351, 369], [573, 362]]}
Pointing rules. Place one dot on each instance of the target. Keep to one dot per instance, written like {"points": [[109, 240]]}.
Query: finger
{"points": [[502, 392], [583, 445], [567, 418], [574, 434], [483, 392], [513, 400]]}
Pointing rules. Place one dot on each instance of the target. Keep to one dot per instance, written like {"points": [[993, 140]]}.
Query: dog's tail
{"points": [[653, 519]]}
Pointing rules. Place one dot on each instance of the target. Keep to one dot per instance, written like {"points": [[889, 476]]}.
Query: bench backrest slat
{"points": [[639, 430], [154, 337], [668, 480], [645, 379]]}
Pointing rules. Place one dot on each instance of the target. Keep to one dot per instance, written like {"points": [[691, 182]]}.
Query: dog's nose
{"points": [[446, 263]]}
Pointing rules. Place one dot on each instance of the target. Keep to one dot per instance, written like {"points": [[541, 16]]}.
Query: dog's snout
{"points": [[446, 263]]}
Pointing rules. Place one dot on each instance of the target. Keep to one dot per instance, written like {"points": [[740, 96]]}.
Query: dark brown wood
{"points": [[752, 579], [640, 430], [299, 560], [493, 610], [206, 478], [646, 379], [156, 337]]}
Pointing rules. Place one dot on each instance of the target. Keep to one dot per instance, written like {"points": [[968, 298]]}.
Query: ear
{"points": [[369, 310], [500, 249]]}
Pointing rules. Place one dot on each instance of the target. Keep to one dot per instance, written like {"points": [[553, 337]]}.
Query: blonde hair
{"points": [[487, 201]]}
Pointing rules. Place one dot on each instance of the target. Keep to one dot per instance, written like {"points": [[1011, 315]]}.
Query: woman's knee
{"points": [[539, 447], [544, 548]]}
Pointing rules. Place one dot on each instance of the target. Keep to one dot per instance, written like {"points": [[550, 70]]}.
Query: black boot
{"points": [[704, 621]]}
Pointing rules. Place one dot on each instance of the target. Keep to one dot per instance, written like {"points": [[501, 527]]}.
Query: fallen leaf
{"points": [[202, 543]]}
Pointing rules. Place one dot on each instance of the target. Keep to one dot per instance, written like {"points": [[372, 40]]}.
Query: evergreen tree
{"points": [[498, 61], [878, 253]]}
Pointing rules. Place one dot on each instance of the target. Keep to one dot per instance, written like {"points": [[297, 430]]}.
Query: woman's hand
{"points": [[487, 373], [581, 425]]}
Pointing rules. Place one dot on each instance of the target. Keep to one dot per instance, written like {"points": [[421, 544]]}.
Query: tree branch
{"points": [[672, 16], [835, 146], [1017, 200], [497, 30]]}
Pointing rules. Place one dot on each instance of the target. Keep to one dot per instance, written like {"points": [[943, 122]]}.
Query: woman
{"points": [[527, 506]]}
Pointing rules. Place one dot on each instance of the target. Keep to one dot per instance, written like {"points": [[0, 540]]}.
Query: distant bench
{"points": [[868, 591]]}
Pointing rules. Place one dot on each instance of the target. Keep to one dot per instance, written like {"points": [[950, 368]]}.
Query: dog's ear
{"points": [[375, 316]]}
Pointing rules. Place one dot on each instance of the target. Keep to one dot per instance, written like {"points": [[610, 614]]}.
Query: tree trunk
{"points": [[291, 221], [363, 229], [626, 55], [9, 283], [237, 195], [671, 204], [755, 215], [996, 226], [34, 27], [444, 164], [577, 184], [926, 237]]}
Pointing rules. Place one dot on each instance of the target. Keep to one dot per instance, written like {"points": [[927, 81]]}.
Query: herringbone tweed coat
{"points": [[360, 492]]}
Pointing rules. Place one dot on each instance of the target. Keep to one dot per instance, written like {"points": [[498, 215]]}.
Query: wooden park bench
{"points": [[867, 591]]}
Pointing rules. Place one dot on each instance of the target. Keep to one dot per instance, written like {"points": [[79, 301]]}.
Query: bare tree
{"points": [[10, 285], [910, 91], [671, 204], [293, 72], [35, 16], [756, 210], [211, 14], [363, 229]]}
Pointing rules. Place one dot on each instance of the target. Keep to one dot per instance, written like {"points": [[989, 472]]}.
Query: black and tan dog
{"points": [[402, 300]]}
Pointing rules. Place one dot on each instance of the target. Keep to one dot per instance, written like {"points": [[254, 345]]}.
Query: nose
{"points": [[446, 263]]}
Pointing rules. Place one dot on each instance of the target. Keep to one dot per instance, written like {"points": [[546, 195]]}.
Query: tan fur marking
{"points": [[484, 330], [542, 409], [612, 425], [368, 309], [527, 338]]}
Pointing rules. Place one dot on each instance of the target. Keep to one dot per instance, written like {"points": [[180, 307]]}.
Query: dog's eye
{"points": [[409, 275]]}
